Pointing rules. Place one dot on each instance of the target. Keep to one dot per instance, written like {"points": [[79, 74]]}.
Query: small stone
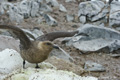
{"points": [[82, 19], [70, 17], [50, 20], [91, 66], [62, 8], [45, 8], [115, 55]]}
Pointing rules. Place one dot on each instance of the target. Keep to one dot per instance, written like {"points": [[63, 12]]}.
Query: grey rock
{"points": [[1, 10], [101, 15], [70, 0], [6, 5], [53, 3], [92, 10], [82, 19], [97, 38], [40, 1], [114, 18], [70, 17], [24, 8], [40, 20], [115, 55], [62, 8], [62, 55], [45, 8], [50, 20], [33, 34], [14, 16], [91, 66], [8, 42], [34, 9]]}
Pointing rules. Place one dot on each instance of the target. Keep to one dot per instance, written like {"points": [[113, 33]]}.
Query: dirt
{"points": [[112, 65]]}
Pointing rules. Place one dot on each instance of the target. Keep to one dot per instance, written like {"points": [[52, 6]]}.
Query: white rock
{"points": [[9, 60], [48, 74]]}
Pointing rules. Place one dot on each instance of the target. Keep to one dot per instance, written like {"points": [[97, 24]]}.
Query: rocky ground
{"points": [[112, 65]]}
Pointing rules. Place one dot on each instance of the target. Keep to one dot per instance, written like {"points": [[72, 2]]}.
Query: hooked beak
{"points": [[56, 47]]}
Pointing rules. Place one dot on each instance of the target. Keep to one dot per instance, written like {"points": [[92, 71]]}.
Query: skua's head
{"points": [[47, 45]]}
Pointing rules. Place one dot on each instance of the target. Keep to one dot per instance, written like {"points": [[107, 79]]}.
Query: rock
{"points": [[115, 55], [68, 66], [24, 8], [14, 16], [34, 9], [40, 20], [50, 21], [53, 3], [33, 34], [101, 15], [8, 59], [62, 8], [91, 66], [6, 5], [8, 42], [70, 17], [92, 10], [82, 19], [93, 38], [114, 18], [62, 54], [70, 0], [45, 8], [40, 74], [1, 10]]}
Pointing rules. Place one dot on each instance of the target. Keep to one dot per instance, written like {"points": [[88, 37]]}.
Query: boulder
{"points": [[92, 38], [91, 10], [114, 18]]}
